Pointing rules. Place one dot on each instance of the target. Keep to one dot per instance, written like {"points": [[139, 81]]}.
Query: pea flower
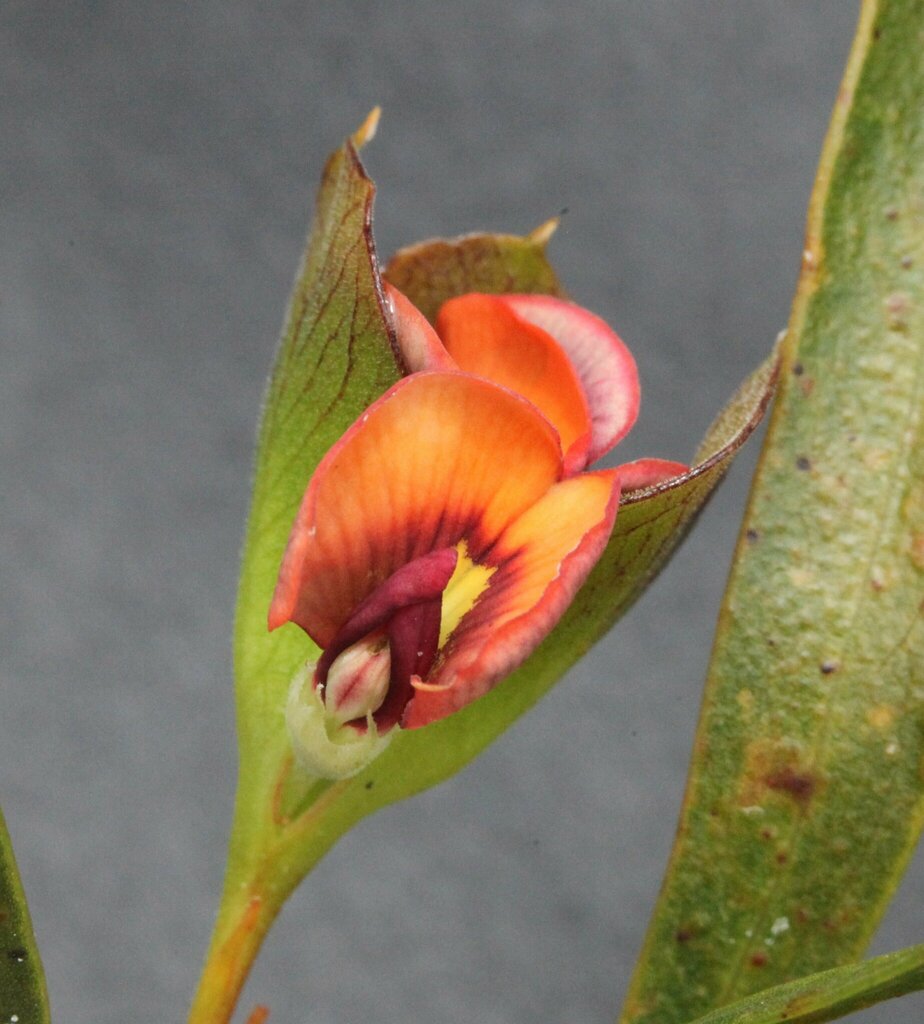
{"points": [[444, 535]]}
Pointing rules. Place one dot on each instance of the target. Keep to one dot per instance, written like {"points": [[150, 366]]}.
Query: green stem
{"points": [[256, 887], [239, 932]]}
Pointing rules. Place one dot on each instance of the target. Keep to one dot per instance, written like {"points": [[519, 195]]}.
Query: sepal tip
{"points": [[366, 131]]}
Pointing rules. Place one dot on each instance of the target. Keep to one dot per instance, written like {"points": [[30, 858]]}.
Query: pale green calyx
{"points": [[322, 741]]}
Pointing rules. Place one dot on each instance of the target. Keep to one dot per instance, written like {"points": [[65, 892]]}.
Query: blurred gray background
{"points": [[159, 162]]}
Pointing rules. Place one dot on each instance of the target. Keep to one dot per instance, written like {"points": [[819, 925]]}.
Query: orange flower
{"points": [[447, 531], [438, 542]]}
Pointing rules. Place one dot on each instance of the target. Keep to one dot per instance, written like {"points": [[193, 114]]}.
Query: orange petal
{"points": [[418, 343], [439, 457], [484, 336], [542, 559], [604, 365]]}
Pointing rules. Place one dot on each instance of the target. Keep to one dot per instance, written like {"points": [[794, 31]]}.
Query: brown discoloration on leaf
{"points": [[776, 768], [797, 1005], [916, 550], [800, 785], [882, 717]]}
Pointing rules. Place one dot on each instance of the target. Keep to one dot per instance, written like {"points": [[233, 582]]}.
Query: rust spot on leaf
{"points": [[807, 386], [753, 536], [776, 769], [759, 959], [881, 717], [683, 935], [803, 463], [782, 856], [795, 1006], [829, 666], [798, 369], [800, 785]]}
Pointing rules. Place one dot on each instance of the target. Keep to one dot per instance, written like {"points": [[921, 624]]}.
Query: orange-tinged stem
{"points": [[239, 933], [256, 887]]}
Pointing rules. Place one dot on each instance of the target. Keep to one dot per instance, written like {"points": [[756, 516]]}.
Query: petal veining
{"points": [[541, 561], [440, 457]]}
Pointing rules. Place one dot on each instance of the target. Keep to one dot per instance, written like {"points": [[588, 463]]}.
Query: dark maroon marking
{"points": [[413, 635], [419, 581]]}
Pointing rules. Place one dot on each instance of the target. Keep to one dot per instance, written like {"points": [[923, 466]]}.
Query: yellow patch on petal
{"points": [[465, 586]]}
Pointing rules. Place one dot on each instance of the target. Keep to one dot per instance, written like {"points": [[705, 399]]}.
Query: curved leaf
{"points": [[806, 795], [335, 359], [830, 994], [23, 998]]}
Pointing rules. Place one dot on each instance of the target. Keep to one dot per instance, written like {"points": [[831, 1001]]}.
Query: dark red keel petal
{"points": [[420, 582], [413, 635]]}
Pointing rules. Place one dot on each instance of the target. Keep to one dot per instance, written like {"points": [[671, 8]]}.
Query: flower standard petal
{"points": [[440, 457], [604, 365], [540, 560], [486, 337]]}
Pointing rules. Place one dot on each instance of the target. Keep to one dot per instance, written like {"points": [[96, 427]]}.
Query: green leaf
{"points": [[23, 999], [806, 794], [831, 994], [335, 358]]}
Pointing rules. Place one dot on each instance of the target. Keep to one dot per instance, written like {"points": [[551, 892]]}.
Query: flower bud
{"points": [[358, 681], [323, 742]]}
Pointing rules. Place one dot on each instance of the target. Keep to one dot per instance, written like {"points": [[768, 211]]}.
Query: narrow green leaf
{"points": [[829, 995], [23, 999], [335, 358], [806, 794]]}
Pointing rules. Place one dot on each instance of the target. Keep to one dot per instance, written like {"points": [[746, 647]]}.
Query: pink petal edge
{"points": [[603, 363], [648, 472], [418, 343]]}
